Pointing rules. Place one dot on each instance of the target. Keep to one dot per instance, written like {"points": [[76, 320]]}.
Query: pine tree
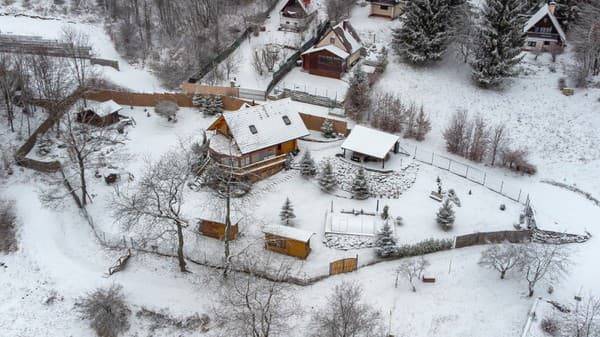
{"points": [[327, 179], [210, 109], [424, 34], [307, 165], [358, 97], [218, 104], [386, 242], [385, 214], [287, 213], [197, 100], [327, 129], [445, 215], [423, 125], [499, 43], [360, 188]]}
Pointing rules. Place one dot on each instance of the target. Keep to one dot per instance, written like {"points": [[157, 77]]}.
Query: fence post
{"points": [[449, 164], [519, 197], [501, 186], [432, 156], [467, 172], [415, 152], [484, 177]]}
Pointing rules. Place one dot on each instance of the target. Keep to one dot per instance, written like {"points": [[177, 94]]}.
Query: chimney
{"points": [[552, 7]]}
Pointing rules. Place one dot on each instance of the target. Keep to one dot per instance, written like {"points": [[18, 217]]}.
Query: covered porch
{"points": [[366, 144]]}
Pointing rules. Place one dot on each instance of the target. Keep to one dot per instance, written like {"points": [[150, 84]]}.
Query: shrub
{"points": [[424, 247], [8, 222], [107, 311], [550, 326], [516, 160], [167, 109]]}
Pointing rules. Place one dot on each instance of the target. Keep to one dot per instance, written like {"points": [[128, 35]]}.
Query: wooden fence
{"points": [[492, 237], [343, 266], [313, 122]]}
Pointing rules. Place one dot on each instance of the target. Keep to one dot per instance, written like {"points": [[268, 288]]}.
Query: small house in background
{"points": [[385, 8], [338, 50], [543, 31], [254, 142], [366, 144], [288, 240], [100, 114], [296, 15], [215, 228]]}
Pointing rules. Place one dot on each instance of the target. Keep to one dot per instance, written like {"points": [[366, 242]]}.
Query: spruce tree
{"points": [[197, 100], [424, 34], [423, 125], [386, 242], [287, 213], [218, 104], [358, 97], [445, 215], [499, 42], [327, 129], [385, 214], [360, 188], [327, 179], [307, 165]]}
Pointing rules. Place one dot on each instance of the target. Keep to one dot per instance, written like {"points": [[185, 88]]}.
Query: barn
{"points": [[287, 240], [215, 228], [543, 31], [338, 50], [365, 144], [100, 114]]}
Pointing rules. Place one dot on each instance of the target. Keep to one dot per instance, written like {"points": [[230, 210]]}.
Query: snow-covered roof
{"points": [[371, 142], [265, 125], [330, 48], [288, 232], [104, 109], [224, 145], [539, 15], [305, 5]]}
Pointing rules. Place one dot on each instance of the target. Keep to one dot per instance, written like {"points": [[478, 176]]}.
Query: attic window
{"points": [[286, 120], [332, 39], [253, 129]]}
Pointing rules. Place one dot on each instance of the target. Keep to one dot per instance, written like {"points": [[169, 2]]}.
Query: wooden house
{"points": [[287, 240], [256, 141], [296, 15], [338, 50], [385, 8], [100, 114], [366, 144], [543, 31], [216, 228]]}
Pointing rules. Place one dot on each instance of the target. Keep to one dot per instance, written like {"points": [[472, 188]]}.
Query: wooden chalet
{"points": [[338, 50], [255, 141], [296, 15], [215, 228], [385, 8], [287, 240], [366, 144], [543, 31], [100, 114]]}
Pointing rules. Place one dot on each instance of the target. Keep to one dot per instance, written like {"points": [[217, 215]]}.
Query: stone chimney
{"points": [[552, 7]]}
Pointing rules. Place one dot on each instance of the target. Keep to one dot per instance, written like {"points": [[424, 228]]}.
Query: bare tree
{"points": [[457, 133], [8, 226], [412, 269], [76, 43], [423, 125], [257, 62], [480, 135], [269, 56], [411, 121], [502, 258], [9, 84], [584, 321], [544, 261], [388, 113], [338, 10], [346, 315], [155, 204], [497, 141], [167, 109], [231, 65], [464, 30], [585, 35], [107, 311], [253, 307]]}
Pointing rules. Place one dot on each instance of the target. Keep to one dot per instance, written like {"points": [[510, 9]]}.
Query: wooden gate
{"points": [[343, 265]]}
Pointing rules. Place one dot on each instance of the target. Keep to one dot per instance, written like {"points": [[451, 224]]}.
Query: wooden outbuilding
{"points": [[216, 228], [385, 8], [366, 144], [100, 114], [287, 240]]}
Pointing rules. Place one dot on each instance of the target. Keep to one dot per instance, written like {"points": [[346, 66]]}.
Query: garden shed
{"points": [[288, 240], [215, 228], [100, 114], [365, 143]]}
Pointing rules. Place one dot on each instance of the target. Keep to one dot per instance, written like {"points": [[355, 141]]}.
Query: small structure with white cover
{"points": [[366, 144], [296, 15], [100, 114], [287, 240], [544, 32]]}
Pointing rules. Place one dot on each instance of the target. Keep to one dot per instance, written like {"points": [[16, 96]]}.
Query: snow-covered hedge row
{"points": [[424, 247]]}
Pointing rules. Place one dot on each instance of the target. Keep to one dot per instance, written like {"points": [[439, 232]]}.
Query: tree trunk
{"points": [[180, 256], [83, 183], [502, 273], [531, 284], [227, 229]]}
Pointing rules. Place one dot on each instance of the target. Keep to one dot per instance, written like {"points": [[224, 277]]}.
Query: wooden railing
{"points": [[244, 170]]}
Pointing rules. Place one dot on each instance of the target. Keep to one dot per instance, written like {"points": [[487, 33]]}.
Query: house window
{"points": [[384, 7], [531, 43], [276, 242], [253, 129], [325, 59], [332, 40], [546, 43], [286, 120]]}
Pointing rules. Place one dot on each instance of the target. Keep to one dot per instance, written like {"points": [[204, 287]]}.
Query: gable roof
{"points": [[330, 48], [539, 15], [369, 141], [288, 232], [261, 126], [385, 2], [106, 108], [305, 6], [347, 36]]}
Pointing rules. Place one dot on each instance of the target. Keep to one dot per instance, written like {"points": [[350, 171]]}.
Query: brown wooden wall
{"points": [[287, 147], [312, 64], [151, 99], [492, 237], [192, 88], [313, 122], [216, 230], [288, 247]]}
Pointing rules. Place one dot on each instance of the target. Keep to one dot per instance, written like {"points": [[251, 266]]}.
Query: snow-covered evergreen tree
{"points": [[360, 188], [289, 160], [445, 215], [287, 213], [423, 125], [327, 129], [358, 97], [307, 165], [499, 42], [567, 12], [423, 36], [197, 100], [327, 179], [385, 214], [386, 242], [218, 104]]}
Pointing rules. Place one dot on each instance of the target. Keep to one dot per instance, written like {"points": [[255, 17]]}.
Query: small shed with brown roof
{"points": [[287, 240]]}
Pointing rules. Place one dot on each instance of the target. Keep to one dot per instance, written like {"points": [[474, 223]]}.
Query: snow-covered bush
{"points": [[445, 215], [327, 129], [287, 213], [327, 179], [167, 109], [386, 242], [107, 311], [8, 223], [360, 188], [307, 165], [550, 326], [424, 247]]}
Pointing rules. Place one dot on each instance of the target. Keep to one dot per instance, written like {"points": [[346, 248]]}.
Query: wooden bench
{"points": [[428, 279]]}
